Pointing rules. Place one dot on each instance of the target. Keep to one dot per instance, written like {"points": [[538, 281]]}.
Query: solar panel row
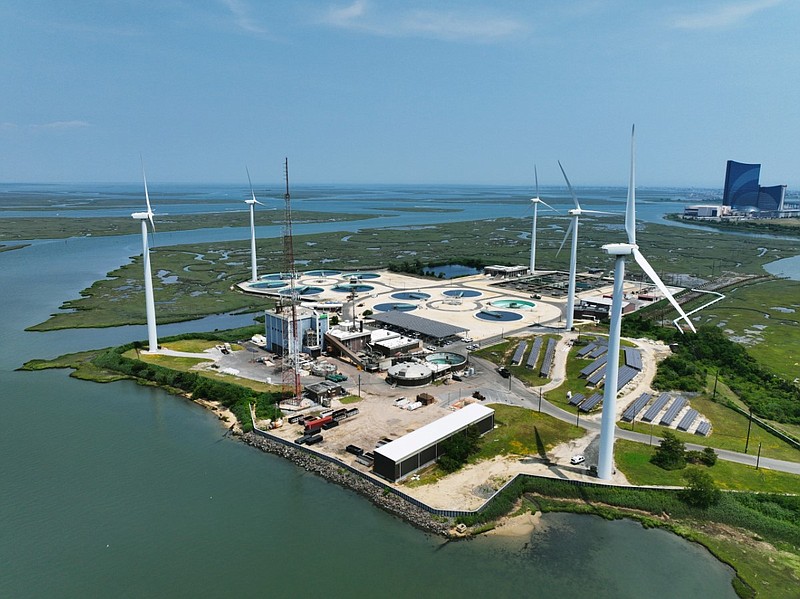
{"points": [[520, 353], [703, 428], [633, 358], [587, 370], [586, 349], [549, 354], [591, 402], [687, 420], [625, 375], [597, 376], [672, 411], [576, 399], [632, 410], [653, 410], [598, 351], [534, 355]]}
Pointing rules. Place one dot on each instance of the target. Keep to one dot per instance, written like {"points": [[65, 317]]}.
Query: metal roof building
{"points": [[421, 447], [423, 326]]}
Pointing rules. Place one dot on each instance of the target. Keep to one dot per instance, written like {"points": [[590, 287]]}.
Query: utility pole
{"points": [[540, 399], [716, 378], [359, 385], [749, 424], [578, 418], [758, 459]]}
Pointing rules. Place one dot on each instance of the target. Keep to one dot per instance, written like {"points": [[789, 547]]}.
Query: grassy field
{"points": [[633, 459], [523, 432], [51, 227]]}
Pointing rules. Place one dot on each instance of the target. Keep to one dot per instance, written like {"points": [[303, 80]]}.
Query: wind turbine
{"points": [[150, 304], [252, 203], [620, 251], [575, 213], [536, 201]]}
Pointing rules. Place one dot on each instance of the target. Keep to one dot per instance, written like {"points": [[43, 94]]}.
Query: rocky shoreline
{"points": [[389, 502]]}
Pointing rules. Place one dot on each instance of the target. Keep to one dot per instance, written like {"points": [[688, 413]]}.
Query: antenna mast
{"points": [[291, 342]]}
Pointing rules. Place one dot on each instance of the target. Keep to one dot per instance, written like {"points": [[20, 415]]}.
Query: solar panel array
{"points": [[703, 428], [549, 354], [597, 376], [586, 371], [576, 399], [591, 402], [687, 420], [632, 410], [520, 353], [633, 358], [673, 410], [625, 375], [586, 349], [657, 406], [534, 355]]}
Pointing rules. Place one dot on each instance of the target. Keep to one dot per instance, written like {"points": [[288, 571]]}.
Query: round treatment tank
{"points": [[462, 293], [268, 285], [411, 295], [409, 374], [323, 273], [303, 290], [394, 306], [361, 276], [352, 287], [454, 360], [513, 304], [497, 316]]}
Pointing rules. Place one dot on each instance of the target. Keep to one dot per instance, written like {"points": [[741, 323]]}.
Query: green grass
{"points": [[633, 459], [501, 353], [348, 399], [520, 431], [195, 346]]}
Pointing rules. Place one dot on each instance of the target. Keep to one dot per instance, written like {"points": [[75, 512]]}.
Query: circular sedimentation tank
{"points": [[323, 273], [303, 290], [497, 315], [351, 287], [268, 285], [513, 304], [394, 306], [409, 374], [462, 293], [411, 295], [361, 276], [277, 276], [455, 360]]}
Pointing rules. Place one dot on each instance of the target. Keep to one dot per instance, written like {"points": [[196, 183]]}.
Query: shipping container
{"points": [[314, 439], [354, 449], [352, 412], [330, 425], [301, 440], [315, 425]]}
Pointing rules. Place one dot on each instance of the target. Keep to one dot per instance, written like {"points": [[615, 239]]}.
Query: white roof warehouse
{"points": [[419, 448]]}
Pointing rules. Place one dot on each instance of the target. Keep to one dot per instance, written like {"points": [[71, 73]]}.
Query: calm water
{"points": [[124, 490]]}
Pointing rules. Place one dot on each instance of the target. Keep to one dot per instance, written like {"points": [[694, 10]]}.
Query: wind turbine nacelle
{"points": [[618, 249], [140, 215]]}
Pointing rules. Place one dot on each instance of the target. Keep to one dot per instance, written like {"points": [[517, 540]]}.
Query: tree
{"points": [[701, 490], [457, 449], [671, 454]]}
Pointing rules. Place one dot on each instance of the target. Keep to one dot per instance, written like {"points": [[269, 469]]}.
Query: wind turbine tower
{"points": [[252, 203], [575, 213], [536, 201], [620, 251], [291, 342], [150, 305]]}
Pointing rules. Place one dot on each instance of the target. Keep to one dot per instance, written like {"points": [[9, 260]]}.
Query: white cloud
{"points": [[444, 25], [241, 16], [723, 15], [59, 126]]}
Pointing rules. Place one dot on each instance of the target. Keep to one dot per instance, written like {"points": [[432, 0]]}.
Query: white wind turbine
{"points": [[620, 251], [252, 203], [575, 213], [150, 304], [536, 201]]}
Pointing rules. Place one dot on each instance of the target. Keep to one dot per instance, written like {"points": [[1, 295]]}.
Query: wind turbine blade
{"points": [[536, 175], [548, 205], [569, 186], [563, 241], [630, 206], [259, 203], [252, 193], [653, 276], [597, 212]]}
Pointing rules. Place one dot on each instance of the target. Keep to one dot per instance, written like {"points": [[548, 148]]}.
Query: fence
{"points": [[770, 429]]}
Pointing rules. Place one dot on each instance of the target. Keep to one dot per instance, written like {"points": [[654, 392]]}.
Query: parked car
{"points": [[577, 459]]}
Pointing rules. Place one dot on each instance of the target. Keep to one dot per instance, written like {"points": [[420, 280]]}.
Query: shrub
{"points": [[701, 490], [671, 454]]}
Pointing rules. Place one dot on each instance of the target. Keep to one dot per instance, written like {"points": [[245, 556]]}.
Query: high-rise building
{"points": [[741, 184], [742, 189]]}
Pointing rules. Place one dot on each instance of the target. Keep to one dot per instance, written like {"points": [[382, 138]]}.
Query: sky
{"points": [[380, 91]]}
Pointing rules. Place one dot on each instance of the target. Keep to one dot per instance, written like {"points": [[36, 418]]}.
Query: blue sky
{"points": [[378, 91]]}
